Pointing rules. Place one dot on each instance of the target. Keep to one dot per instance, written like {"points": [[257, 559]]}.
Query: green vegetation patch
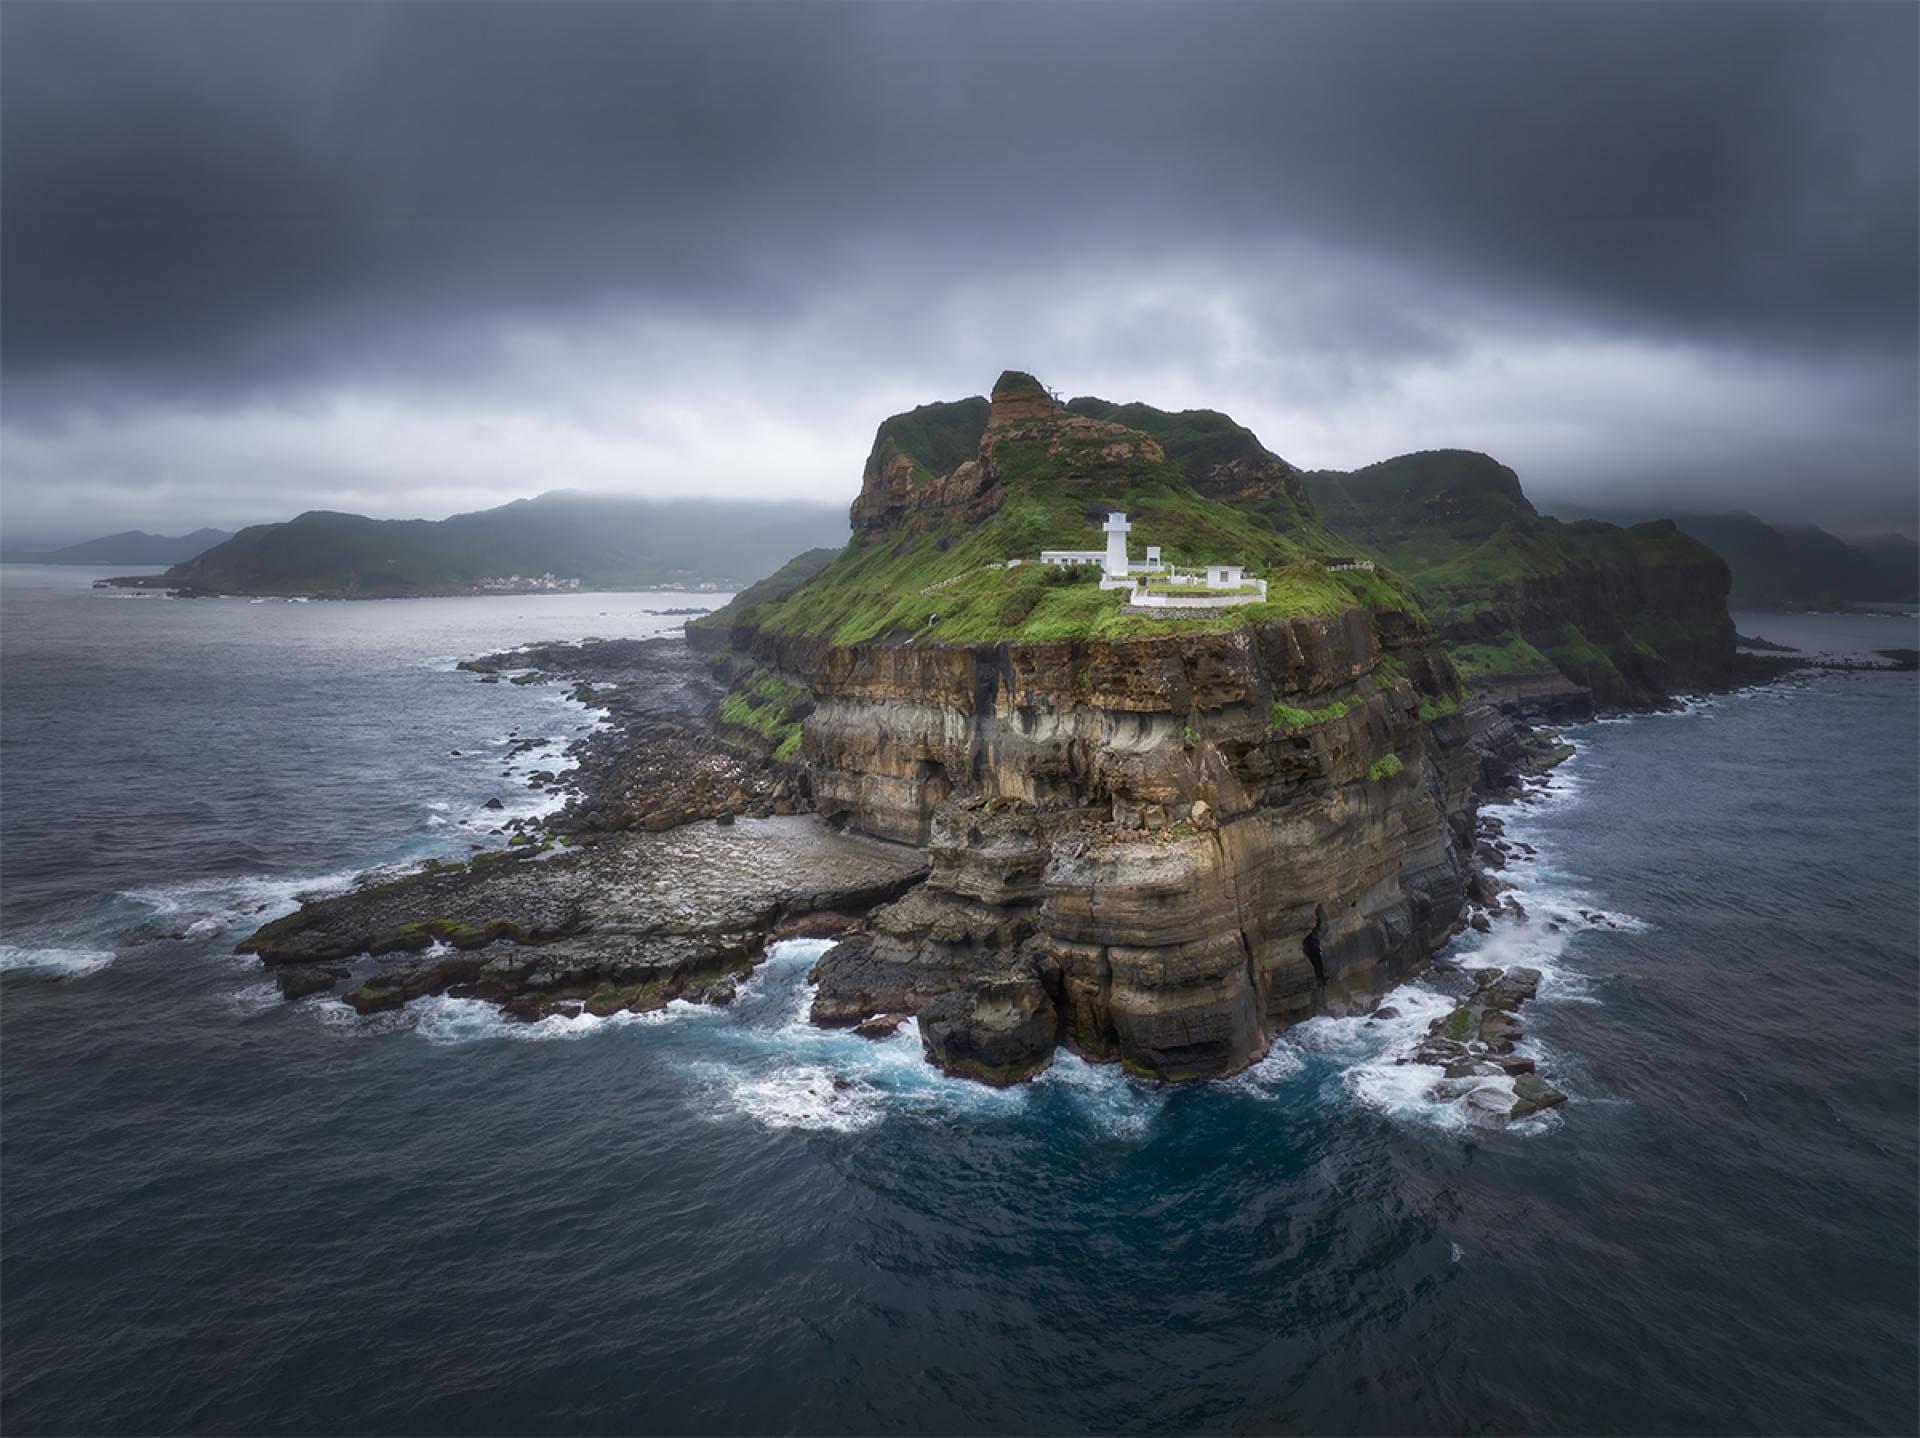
{"points": [[1285, 716], [1506, 657], [1198, 440], [771, 707], [939, 438], [953, 586], [1384, 767]]}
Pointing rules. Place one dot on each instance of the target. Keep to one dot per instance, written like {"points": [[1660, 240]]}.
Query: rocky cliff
{"points": [[1555, 617], [1159, 851], [1154, 840]]}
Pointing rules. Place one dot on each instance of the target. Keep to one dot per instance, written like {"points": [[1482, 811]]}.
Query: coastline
{"points": [[659, 786]]}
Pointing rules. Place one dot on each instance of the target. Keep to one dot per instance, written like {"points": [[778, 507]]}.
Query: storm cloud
{"points": [[412, 259]]}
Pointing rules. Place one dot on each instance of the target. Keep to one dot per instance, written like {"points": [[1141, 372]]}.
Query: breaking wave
{"points": [[53, 963]]}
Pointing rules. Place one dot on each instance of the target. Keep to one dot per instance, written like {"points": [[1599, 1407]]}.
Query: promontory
{"points": [[1114, 731]]}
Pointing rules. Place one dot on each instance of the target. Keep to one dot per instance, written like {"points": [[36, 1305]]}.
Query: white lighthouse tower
{"points": [[1116, 528]]}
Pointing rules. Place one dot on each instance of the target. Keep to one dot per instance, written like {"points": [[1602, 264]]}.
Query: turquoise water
{"points": [[220, 1212]]}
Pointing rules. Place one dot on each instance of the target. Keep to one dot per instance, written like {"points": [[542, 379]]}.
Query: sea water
{"points": [[221, 1212]]}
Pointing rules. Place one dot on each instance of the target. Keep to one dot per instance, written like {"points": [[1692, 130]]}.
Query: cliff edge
{"points": [[1155, 839]]}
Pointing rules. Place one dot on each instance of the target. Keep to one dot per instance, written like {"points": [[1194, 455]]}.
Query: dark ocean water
{"points": [[219, 1213]]}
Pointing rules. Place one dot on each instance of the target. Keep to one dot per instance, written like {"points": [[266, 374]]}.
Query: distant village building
{"points": [[522, 584]]}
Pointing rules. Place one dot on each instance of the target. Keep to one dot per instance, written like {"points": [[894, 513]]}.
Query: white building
{"points": [[1117, 569], [1225, 576]]}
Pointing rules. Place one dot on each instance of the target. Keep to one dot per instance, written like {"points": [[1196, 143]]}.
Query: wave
{"points": [[53, 963], [441, 1019], [203, 908], [807, 1097]]}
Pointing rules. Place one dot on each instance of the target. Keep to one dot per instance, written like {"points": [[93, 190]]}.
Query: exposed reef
{"points": [[628, 923]]}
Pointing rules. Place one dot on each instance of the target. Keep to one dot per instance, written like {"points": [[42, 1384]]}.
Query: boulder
{"points": [[296, 981], [1531, 1094], [1000, 1029], [1511, 988], [881, 1026], [1498, 1031]]}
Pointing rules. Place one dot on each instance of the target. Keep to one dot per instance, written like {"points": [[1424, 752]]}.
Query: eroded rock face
{"points": [[1128, 852], [903, 489]]}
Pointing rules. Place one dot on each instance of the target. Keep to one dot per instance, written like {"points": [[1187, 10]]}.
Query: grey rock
{"points": [[1532, 1093]]}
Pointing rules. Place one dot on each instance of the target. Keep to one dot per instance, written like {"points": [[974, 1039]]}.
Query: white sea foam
{"points": [[214, 904], [778, 1069], [53, 963], [806, 1097], [255, 999], [441, 1019], [343, 1020], [1106, 1095], [1273, 1074]]}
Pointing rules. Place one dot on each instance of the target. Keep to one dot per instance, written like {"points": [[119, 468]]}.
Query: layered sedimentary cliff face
{"points": [[1159, 851], [1157, 842]]}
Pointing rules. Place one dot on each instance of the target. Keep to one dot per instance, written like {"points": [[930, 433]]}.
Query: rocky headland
{"points": [[1035, 818]]}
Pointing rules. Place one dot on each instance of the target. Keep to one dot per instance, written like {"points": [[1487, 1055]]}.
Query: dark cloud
{"points": [[214, 208]]}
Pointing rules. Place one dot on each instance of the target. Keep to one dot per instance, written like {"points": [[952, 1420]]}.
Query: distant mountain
{"points": [[600, 542], [132, 546], [1795, 566]]}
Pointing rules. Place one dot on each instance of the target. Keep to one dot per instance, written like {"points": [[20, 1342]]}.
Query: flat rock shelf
{"points": [[630, 923]]}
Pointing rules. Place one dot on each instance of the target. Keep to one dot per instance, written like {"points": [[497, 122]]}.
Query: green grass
{"points": [[937, 437], [1055, 487], [769, 705], [1507, 657], [1285, 716], [1384, 767], [1202, 441], [874, 591], [1196, 591], [1432, 708]]}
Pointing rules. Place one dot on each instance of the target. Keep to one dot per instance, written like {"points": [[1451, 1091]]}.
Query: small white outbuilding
{"points": [[1225, 576]]}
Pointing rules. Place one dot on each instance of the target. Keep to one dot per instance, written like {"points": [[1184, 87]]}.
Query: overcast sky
{"points": [[414, 259]]}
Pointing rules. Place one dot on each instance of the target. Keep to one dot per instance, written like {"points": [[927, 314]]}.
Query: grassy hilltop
{"points": [[952, 491], [1530, 608]]}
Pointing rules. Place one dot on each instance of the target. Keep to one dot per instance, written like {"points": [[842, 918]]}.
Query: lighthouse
{"points": [[1116, 528]]}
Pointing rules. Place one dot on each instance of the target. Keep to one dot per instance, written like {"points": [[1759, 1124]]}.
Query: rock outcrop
{"points": [[1129, 851], [628, 923], [937, 467], [1158, 843]]}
